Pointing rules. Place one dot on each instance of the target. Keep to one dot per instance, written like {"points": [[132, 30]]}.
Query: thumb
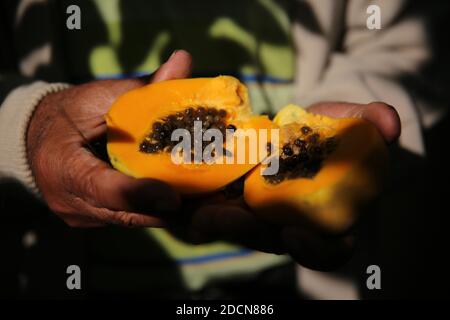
{"points": [[382, 115], [103, 187], [179, 65]]}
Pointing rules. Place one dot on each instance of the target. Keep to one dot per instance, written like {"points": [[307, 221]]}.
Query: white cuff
{"points": [[15, 114]]}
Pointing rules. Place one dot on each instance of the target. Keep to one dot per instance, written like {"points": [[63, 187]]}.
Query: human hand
{"points": [[219, 219], [82, 189]]}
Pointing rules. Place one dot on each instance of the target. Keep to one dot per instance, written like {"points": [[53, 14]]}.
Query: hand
{"points": [[233, 220], [82, 189]]}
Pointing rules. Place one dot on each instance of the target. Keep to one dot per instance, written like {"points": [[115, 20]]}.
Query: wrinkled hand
{"points": [[233, 220], [82, 189]]}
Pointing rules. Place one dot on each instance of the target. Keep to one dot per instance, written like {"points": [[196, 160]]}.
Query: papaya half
{"points": [[327, 168], [141, 122]]}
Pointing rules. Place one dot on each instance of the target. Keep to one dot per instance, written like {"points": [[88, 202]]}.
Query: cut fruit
{"points": [[327, 168], [141, 122]]}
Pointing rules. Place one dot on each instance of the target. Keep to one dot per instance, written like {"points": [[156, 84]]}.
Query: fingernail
{"points": [[173, 54]]}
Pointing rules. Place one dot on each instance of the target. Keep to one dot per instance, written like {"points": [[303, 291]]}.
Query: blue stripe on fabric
{"points": [[242, 77], [262, 78], [214, 257], [121, 75]]}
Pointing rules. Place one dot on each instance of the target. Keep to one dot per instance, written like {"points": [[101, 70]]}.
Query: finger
{"points": [[382, 115], [78, 221], [101, 186], [316, 251], [235, 224], [178, 66], [385, 118], [85, 215], [126, 219]]}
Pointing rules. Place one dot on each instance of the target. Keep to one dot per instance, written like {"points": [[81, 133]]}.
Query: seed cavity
{"points": [[287, 150], [306, 130], [299, 142], [303, 158], [159, 139]]}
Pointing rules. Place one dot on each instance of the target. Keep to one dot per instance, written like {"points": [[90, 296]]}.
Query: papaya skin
{"points": [[132, 115], [348, 177]]}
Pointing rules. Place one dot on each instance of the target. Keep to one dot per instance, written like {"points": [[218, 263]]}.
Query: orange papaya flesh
{"points": [[327, 169], [140, 124]]}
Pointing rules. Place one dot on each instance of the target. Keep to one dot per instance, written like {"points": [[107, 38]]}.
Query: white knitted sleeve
{"points": [[15, 114]]}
